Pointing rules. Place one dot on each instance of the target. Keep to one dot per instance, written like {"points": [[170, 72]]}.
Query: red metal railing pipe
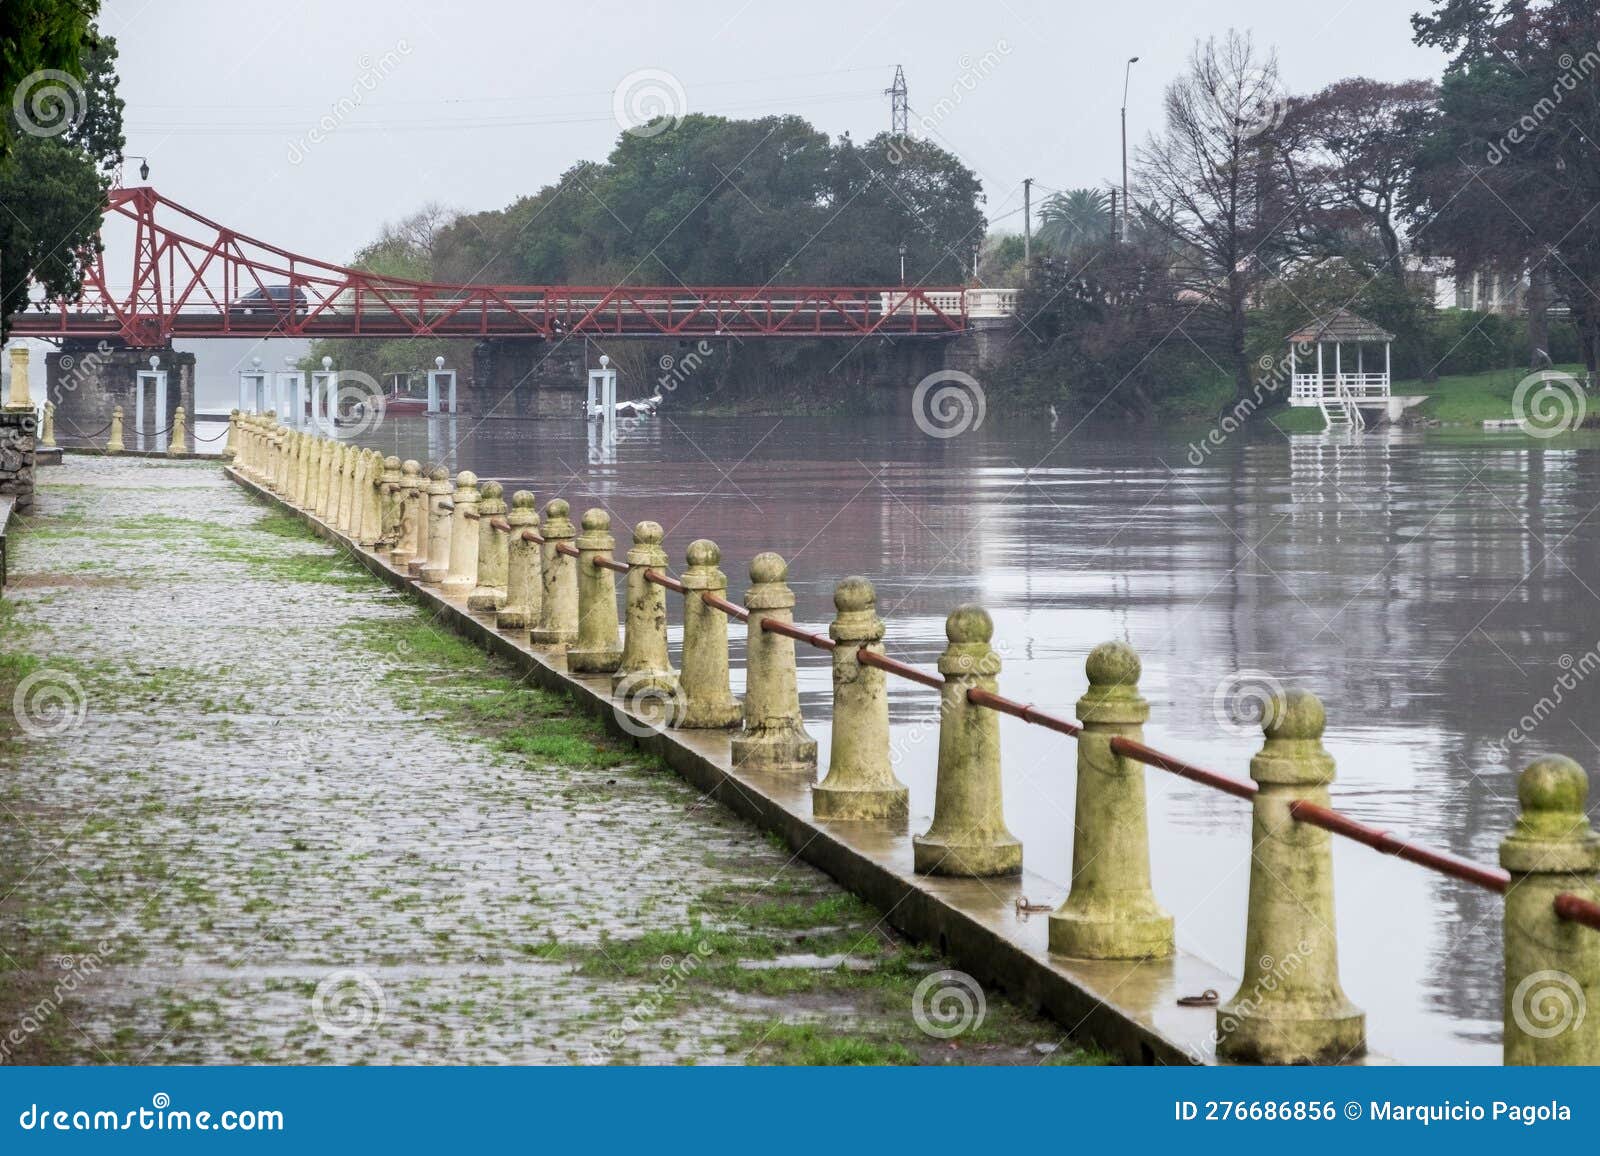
{"points": [[895, 666], [790, 630], [666, 580], [1577, 909], [611, 564], [1489, 878], [1024, 711], [500, 524], [566, 548], [732, 610], [530, 536], [1150, 757]]}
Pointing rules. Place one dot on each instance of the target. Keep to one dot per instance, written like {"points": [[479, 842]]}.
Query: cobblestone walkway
{"points": [[255, 809]]}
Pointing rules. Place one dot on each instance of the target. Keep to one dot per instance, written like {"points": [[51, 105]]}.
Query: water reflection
{"points": [[1425, 587]]}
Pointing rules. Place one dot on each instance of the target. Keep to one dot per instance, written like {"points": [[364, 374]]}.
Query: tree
{"points": [[1070, 220], [54, 187], [1508, 177], [37, 38], [1215, 181]]}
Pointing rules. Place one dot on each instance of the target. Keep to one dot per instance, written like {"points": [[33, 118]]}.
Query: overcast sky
{"points": [[473, 104]]}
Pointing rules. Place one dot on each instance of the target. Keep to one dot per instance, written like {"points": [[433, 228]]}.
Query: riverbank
{"points": [[282, 818], [1466, 400]]}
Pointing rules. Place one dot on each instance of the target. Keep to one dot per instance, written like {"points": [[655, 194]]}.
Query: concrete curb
{"points": [[1129, 1008]]}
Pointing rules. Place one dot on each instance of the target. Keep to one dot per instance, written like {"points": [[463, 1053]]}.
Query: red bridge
{"points": [[192, 277]]}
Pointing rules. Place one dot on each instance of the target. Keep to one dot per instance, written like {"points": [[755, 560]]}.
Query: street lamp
{"points": [[144, 166], [1126, 71], [902, 262]]}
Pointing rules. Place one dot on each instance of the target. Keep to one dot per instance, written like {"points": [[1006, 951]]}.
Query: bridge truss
{"points": [[193, 278]]}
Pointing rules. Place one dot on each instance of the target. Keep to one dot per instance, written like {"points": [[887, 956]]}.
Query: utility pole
{"points": [[899, 118], [1027, 225], [1122, 235]]}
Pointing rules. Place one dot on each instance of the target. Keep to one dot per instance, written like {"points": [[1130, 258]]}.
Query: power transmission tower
{"points": [[899, 118]]}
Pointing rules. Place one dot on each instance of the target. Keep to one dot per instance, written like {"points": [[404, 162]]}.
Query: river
{"points": [[1432, 588]]}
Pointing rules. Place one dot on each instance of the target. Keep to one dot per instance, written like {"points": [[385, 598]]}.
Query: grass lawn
{"points": [[1461, 399]]}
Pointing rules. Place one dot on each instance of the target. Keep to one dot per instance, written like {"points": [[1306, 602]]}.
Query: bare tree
{"points": [[1213, 184]]}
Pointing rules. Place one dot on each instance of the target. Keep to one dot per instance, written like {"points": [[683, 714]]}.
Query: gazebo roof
{"points": [[1340, 325]]}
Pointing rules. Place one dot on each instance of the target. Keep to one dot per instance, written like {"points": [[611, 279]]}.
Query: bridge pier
{"points": [[87, 380]]}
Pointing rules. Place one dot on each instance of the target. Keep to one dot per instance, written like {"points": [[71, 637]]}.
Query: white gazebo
{"points": [[1334, 379]]}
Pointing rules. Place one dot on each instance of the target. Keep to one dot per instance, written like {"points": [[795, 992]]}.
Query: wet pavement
{"points": [[236, 827]]}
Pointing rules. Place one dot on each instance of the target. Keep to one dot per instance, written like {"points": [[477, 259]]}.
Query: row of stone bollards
{"points": [[557, 582], [178, 435]]}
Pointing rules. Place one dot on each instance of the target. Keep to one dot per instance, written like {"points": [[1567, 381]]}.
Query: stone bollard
{"points": [[645, 674], [337, 494], [369, 494], [47, 427], [860, 783], [440, 524], [1111, 912], [391, 495], [598, 649], [463, 573], [1289, 1008], [493, 551], [327, 489], [1552, 970], [523, 588], [968, 834], [230, 447], [358, 471], [302, 474], [704, 697], [558, 607], [386, 472], [114, 442], [178, 443], [405, 546], [774, 736]]}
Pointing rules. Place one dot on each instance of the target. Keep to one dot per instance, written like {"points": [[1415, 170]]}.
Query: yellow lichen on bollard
{"points": [[861, 783], [47, 428], [705, 699], [645, 678], [20, 398], [230, 447], [1290, 1008], [598, 649], [327, 482], [302, 468], [463, 572], [1112, 912], [178, 443], [1552, 965], [440, 524], [114, 442], [558, 609], [774, 736], [523, 586], [493, 551], [357, 476], [968, 835], [410, 504]]}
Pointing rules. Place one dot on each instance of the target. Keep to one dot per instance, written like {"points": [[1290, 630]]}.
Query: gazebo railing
{"points": [[1356, 386]]}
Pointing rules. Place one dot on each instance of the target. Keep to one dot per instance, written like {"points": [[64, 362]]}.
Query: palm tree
{"points": [[1073, 218]]}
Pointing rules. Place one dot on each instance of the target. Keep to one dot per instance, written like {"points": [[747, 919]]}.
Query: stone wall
{"points": [[18, 434], [88, 379]]}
